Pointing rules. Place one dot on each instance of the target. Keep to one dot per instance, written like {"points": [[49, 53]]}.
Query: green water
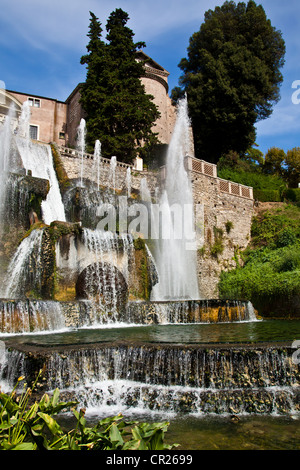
{"points": [[253, 332], [248, 433], [222, 433]]}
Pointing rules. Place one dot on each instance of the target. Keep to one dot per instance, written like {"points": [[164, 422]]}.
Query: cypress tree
{"points": [[118, 111]]}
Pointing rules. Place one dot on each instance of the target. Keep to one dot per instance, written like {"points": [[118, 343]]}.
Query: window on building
{"points": [[33, 132], [62, 135], [35, 102]]}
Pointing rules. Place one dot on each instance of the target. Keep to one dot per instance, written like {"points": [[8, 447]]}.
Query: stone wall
{"points": [[165, 123], [225, 219], [74, 115], [50, 117], [71, 161]]}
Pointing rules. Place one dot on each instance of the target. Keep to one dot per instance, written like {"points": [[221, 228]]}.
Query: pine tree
{"points": [[118, 111]]}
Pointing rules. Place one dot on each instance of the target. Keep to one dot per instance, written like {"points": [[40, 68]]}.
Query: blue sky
{"points": [[41, 43]]}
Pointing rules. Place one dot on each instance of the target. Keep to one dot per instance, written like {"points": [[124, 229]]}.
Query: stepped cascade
{"points": [[105, 312]]}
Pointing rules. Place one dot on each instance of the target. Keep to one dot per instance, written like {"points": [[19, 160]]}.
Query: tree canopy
{"points": [[118, 111], [231, 76]]}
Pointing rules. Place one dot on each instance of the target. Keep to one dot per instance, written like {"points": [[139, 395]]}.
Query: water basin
{"points": [[239, 332]]}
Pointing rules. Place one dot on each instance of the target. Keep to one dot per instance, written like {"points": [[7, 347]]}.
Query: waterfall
{"points": [[31, 316], [81, 133], [37, 158], [25, 266], [190, 311], [5, 158], [176, 260], [178, 379], [106, 280]]}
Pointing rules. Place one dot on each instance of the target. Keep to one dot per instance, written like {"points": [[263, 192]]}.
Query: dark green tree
{"points": [[231, 77], [274, 160], [118, 111]]}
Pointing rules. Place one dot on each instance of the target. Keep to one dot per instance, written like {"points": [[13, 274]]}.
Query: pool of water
{"points": [[219, 432], [247, 433], [204, 432], [253, 332]]}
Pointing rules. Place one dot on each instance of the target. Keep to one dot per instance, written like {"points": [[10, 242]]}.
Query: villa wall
{"points": [[71, 160], [224, 204], [50, 117]]}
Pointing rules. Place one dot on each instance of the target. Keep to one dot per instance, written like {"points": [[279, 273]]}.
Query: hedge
{"points": [[292, 194], [267, 195]]}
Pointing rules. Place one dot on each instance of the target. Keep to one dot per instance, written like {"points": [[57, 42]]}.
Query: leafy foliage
{"points": [[249, 169], [24, 427], [118, 111], [271, 270], [231, 76]]}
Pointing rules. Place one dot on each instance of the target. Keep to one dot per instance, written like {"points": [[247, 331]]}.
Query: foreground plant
{"points": [[24, 427]]}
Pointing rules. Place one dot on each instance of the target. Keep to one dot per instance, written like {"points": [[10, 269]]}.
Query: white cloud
{"points": [[47, 23]]}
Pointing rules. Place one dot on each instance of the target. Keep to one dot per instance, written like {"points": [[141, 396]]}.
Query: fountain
{"points": [[97, 161], [81, 132], [176, 262], [117, 319]]}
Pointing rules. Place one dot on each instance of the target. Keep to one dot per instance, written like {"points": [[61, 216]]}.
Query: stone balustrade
{"points": [[88, 156], [225, 186]]}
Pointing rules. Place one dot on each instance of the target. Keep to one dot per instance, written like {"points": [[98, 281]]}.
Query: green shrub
{"points": [[271, 272], [218, 247], [289, 261], [267, 195], [24, 427], [292, 194], [286, 237], [228, 226], [256, 180]]}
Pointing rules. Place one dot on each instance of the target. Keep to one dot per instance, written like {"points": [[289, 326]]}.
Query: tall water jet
{"points": [[97, 161], [113, 165], [81, 134], [128, 181], [144, 190], [177, 262]]}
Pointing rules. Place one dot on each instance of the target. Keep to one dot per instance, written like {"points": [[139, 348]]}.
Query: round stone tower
{"points": [[155, 82]]}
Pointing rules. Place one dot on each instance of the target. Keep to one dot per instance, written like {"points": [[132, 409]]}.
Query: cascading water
{"points": [[104, 284], [172, 379], [177, 262], [6, 160], [24, 267], [30, 316], [37, 158], [158, 375]]}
